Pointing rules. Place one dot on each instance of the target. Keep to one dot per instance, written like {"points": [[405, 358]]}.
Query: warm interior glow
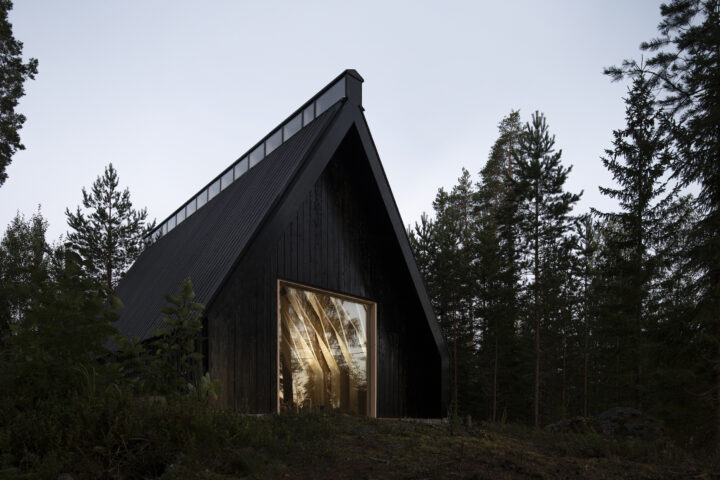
{"points": [[323, 351]]}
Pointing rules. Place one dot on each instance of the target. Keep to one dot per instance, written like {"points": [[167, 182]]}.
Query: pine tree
{"points": [[454, 240], [497, 268], [637, 162], [13, 74], [544, 209], [110, 236]]}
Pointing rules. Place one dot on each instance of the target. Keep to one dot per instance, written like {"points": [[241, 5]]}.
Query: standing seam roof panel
{"points": [[207, 244]]}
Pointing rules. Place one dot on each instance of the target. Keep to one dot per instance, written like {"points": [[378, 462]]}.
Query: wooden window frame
{"points": [[371, 361]]}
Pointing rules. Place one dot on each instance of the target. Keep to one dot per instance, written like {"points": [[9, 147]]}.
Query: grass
{"points": [[121, 437]]}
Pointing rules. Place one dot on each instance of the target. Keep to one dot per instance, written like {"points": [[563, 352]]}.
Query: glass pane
{"points": [[323, 352], [171, 223], [257, 155], [273, 142], [214, 189], [292, 127], [190, 207], [226, 179], [202, 199], [309, 114], [180, 216], [241, 167], [335, 93]]}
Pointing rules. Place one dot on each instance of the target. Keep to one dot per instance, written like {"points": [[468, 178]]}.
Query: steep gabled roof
{"points": [[209, 244], [206, 245]]}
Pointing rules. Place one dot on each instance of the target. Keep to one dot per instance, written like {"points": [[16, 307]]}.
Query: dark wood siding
{"points": [[338, 238]]}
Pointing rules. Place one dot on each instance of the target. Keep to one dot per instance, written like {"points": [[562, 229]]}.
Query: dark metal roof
{"points": [[207, 244]]}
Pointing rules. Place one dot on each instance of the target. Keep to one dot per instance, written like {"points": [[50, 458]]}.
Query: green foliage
{"points": [[67, 404], [170, 363], [62, 332], [13, 74], [176, 358], [685, 69], [544, 224], [110, 236], [637, 162], [24, 267]]}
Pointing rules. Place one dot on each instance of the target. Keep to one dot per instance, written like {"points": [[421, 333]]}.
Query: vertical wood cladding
{"points": [[339, 238]]}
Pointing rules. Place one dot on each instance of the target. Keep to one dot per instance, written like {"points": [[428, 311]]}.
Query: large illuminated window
{"points": [[326, 351]]}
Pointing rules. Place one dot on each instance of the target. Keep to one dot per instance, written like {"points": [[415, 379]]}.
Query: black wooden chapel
{"points": [[299, 253]]}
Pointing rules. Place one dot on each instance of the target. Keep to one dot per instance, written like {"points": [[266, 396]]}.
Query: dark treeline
{"points": [[549, 313]]}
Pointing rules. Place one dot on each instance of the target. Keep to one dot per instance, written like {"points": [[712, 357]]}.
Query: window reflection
{"points": [[323, 352], [309, 114], [292, 127], [327, 99], [273, 142], [257, 155], [190, 207], [214, 189], [226, 179], [202, 199], [241, 167]]}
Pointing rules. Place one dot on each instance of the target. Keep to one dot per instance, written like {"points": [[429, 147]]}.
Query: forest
{"points": [[548, 313]]}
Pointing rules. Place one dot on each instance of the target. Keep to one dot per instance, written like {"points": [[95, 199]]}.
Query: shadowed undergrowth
{"points": [[119, 436]]}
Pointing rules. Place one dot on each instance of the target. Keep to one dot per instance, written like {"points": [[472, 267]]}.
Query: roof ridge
{"points": [[347, 85]]}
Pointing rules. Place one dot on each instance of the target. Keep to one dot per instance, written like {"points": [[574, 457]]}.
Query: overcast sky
{"points": [[172, 92]]}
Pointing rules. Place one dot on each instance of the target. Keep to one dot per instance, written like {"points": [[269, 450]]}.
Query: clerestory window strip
{"points": [[312, 109]]}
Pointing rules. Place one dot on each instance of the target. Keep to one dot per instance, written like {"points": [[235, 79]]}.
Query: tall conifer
{"points": [[544, 219], [498, 267], [637, 162], [109, 237], [686, 65]]}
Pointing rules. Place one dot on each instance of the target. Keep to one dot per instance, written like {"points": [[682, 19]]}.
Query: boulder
{"points": [[573, 425], [627, 422], [618, 422]]}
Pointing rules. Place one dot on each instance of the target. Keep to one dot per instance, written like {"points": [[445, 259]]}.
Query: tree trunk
{"points": [[717, 370], [636, 357], [455, 366], [564, 366], [585, 375], [617, 369], [585, 351], [537, 313], [495, 370]]}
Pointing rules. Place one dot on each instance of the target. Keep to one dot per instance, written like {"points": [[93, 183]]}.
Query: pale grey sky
{"points": [[171, 92]]}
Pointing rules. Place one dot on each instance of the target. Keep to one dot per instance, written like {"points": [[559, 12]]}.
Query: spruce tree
{"points": [[637, 162], [544, 219], [686, 65], [586, 272], [445, 250], [110, 236]]}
